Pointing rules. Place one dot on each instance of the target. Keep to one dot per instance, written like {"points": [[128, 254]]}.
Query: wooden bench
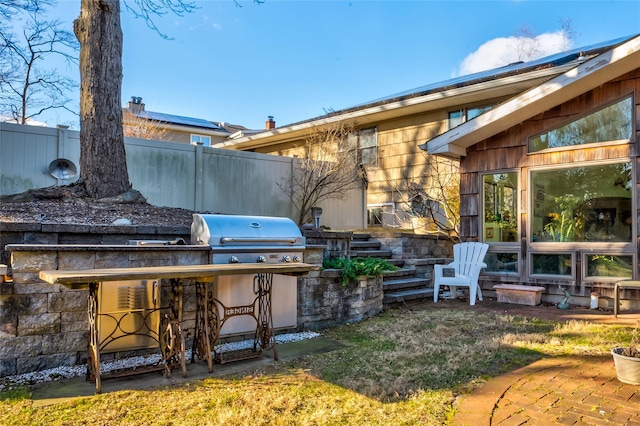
{"points": [[519, 294], [623, 284], [207, 329]]}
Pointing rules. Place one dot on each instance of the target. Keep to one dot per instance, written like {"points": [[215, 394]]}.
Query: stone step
{"points": [[395, 297], [360, 236], [400, 273], [404, 284], [384, 254], [396, 262], [365, 244]]}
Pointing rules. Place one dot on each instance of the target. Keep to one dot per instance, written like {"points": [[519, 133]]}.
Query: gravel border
{"points": [[67, 372]]}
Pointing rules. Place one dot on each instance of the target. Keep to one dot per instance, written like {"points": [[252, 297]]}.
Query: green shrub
{"points": [[358, 266]]}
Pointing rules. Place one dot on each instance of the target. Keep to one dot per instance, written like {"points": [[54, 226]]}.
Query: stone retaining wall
{"points": [[324, 302], [336, 244], [44, 326], [403, 245], [406, 245]]}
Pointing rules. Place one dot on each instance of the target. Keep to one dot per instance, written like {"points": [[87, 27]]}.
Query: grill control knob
{"points": [[296, 259], [234, 259], [261, 259], [286, 258]]}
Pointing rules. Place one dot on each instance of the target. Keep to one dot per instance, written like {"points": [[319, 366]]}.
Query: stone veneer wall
{"points": [[44, 326], [324, 302], [406, 245], [403, 245], [336, 243], [46, 233]]}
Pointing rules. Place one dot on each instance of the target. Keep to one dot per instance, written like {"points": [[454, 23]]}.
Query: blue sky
{"points": [[295, 60]]}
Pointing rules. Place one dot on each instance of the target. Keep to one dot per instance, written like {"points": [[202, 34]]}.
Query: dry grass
{"points": [[402, 367]]}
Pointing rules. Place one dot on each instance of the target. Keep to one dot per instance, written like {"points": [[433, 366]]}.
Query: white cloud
{"points": [[502, 51]]}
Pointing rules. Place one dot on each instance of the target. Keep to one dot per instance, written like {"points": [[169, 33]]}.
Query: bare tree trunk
{"points": [[103, 166]]}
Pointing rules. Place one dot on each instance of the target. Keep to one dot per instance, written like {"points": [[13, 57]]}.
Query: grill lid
{"points": [[218, 230]]}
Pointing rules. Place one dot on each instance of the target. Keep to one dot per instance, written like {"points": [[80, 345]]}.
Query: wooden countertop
{"points": [[81, 278]]}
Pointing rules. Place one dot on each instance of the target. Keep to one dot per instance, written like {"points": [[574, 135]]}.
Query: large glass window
{"points": [[582, 204], [612, 123], [500, 195]]}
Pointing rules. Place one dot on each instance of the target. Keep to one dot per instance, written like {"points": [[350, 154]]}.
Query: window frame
{"points": [[354, 143], [200, 136], [568, 277], [516, 215], [580, 117], [505, 250], [577, 249], [576, 245], [464, 114], [606, 279]]}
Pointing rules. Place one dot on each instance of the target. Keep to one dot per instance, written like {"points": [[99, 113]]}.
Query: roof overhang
{"points": [[580, 79], [482, 91], [180, 128]]}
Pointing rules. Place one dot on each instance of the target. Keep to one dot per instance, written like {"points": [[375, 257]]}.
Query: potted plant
{"points": [[627, 361]]}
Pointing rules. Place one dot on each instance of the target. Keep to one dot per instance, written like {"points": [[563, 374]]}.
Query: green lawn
{"points": [[402, 367]]}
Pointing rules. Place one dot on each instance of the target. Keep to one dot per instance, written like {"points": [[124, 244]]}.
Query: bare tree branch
{"points": [[569, 33], [139, 127], [148, 10], [27, 87], [526, 46], [326, 170], [238, 4], [432, 196], [9, 8]]}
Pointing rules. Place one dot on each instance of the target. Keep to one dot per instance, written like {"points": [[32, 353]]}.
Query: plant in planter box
{"points": [[358, 266], [627, 360]]}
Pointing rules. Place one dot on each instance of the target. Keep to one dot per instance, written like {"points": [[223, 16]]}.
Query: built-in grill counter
{"points": [[244, 304], [245, 283]]}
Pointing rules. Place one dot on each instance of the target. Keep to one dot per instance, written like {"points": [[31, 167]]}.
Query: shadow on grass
{"points": [[402, 352]]}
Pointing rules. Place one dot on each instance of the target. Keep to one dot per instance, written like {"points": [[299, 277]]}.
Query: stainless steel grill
{"points": [[251, 239]]}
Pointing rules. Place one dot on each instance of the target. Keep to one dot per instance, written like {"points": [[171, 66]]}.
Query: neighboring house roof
{"points": [[181, 123], [231, 128], [505, 81], [236, 130], [620, 57], [178, 119]]}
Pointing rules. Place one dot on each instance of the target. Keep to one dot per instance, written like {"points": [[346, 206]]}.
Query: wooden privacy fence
{"points": [[172, 174]]}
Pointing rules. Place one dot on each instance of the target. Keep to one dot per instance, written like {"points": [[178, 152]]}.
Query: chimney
{"points": [[135, 105], [270, 124]]}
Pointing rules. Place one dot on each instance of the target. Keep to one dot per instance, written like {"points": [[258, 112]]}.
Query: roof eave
{"points": [[580, 79], [184, 128], [418, 104]]}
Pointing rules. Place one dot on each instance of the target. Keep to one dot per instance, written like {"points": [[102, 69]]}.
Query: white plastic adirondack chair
{"points": [[468, 261]]}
